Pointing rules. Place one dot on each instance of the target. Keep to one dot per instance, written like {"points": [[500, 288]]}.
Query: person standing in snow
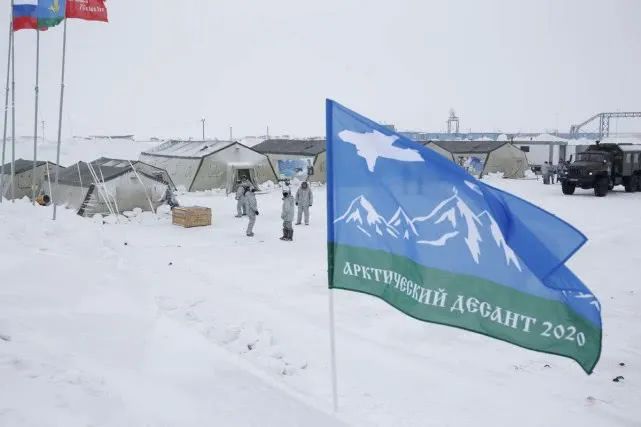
{"points": [[252, 209], [561, 170], [545, 171], [304, 201], [241, 209], [287, 215]]}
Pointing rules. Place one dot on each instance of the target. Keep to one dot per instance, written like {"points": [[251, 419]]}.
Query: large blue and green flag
{"points": [[412, 228]]}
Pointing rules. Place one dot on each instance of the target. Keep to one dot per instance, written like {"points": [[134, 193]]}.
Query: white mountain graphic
{"points": [[450, 219], [363, 215], [403, 224]]}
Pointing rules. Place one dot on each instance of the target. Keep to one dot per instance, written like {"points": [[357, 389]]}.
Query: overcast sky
{"points": [[159, 66]]}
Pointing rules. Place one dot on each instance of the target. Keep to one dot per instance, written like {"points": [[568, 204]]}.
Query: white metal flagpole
{"points": [[35, 122], [6, 111], [13, 112], [332, 348], [62, 96]]}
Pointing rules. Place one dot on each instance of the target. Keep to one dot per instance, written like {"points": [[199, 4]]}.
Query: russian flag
{"points": [[25, 16]]}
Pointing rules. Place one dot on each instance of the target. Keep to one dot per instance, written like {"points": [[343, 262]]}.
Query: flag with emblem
{"points": [[50, 13], [409, 226], [37, 14], [89, 10]]}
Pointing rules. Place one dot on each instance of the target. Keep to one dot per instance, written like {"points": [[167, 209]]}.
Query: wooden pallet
{"points": [[192, 216]]}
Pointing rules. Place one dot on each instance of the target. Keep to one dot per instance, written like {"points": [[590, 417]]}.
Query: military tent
{"points": [[205, 165], [23, 178], [483, 157], [107, 186], [291, 158]]}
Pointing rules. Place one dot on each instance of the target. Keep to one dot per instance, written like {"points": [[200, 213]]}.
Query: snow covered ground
{"points": [[144, 323]]}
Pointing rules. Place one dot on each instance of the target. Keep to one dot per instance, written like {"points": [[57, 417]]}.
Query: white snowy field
{"points": [[75, 150], [145, 323]]}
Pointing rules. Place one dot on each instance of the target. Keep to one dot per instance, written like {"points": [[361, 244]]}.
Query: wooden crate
{"points": [[192, 216]]}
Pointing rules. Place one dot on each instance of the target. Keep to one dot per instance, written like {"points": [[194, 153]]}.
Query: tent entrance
{"points": [[238, 174], [242, 174]]}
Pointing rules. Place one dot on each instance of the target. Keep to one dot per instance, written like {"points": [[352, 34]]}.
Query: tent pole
{"points": [[82, 189], [48, 178], [143, 186], [6, 111], [101, 188], [104, 186], [35, 121], [62, 96]]}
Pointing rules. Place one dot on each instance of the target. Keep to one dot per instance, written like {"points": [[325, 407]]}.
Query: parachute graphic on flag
{"points": [[414, 229], [37, 14]]}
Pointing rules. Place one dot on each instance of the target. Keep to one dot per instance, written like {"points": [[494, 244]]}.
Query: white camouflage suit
{"points": [[252, 210], [304, 200], [287, 215], [240, 201]]}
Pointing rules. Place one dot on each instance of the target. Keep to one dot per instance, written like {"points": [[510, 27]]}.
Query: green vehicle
{"points": [[602, 167]]}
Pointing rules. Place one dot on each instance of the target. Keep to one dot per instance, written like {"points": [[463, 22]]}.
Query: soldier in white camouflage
{"points": [[304, 201]]}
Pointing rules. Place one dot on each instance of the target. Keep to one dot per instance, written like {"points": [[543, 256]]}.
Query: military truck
{"points": [[602, 167]]}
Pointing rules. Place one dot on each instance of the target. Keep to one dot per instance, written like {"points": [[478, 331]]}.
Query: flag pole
{"points": [[330, 247], [6, 110], [332, 347], [62, 96], [13, 112], [35, 121]]}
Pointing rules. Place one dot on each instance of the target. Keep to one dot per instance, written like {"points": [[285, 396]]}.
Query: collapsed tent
{"points": [[483, 157], [302, 159], [23, 178], [106, 186], [205, 165]]}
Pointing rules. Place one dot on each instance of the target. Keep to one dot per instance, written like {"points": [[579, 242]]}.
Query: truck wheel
{"points": [[601, 187], [630, 184], [568, 187]]}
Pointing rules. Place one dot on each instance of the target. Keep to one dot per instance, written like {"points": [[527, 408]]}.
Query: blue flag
{"points": [[50, 12], [416, 230]]}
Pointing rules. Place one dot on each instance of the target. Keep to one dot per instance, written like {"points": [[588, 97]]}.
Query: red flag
{"points": [[89, 10]]}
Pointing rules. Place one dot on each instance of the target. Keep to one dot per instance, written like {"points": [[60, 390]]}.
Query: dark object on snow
{"points": [[126, 243], [602, 167], [170, 198], [171, 263], [43, 200], [547, 366], [6, 338], [621, 364], [618, 379]]}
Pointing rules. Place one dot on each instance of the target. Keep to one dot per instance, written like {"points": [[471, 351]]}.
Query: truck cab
{"points": [[602, 167]]}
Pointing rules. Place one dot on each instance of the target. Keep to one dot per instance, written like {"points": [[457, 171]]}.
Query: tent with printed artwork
{"points": [[483, 157], [106, 186], [206, 165], [45, 172], [295, 158]]}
